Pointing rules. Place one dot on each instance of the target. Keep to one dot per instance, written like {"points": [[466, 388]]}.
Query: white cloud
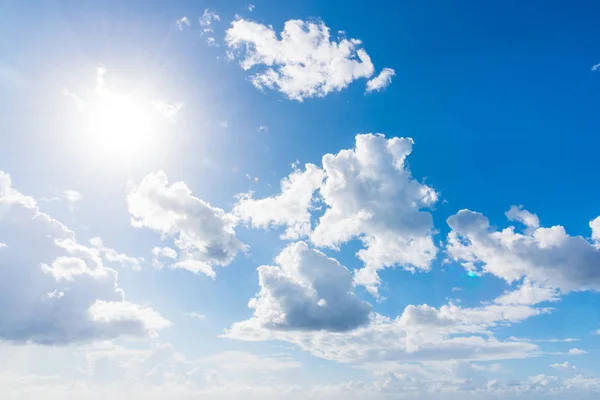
{"points": [[113, 256], [596, 67], [304, 63], [197, 316], [262, 128], [565, 365], [547, 257], [307, 291], [251, 7], [577, 352], [203, 234], [290, 208], [182, 23], [518, 214], [169, 111], [3, 245], [381, 81], [207, 21], [51, 286], [420, 333], [72, 197], [595, 226], [370, 194], [528, 294]]}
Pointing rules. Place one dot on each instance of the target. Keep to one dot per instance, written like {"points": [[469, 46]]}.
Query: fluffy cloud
{"points": [[54, 290], [595, 226], [381, 81], [306, 291], [419, 333], [304, 63], [547, 257], [370, 194], [290, 208], [204, 234]]}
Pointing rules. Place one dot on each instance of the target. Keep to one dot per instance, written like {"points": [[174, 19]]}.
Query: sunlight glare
{"points": [[119, 125]]}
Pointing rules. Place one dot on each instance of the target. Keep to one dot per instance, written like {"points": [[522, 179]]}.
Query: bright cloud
{"points": [[381, 81], [306, 291], [305, 62], [291, 208], [369, 194], [546, 256], [420, 333], [577, 352], [203, 234], [207, 20], [54, 290]]}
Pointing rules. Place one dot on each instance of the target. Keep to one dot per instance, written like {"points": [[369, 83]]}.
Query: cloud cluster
{"points": [[548, 257], [305, 62], [203, 234], [368, 193], [54, 290], [420, 333]]}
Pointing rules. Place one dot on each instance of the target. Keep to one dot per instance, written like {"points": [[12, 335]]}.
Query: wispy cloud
{"points": [[182, 23]]}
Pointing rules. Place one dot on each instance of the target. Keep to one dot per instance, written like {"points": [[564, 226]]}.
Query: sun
{"points": [[119, 125]]}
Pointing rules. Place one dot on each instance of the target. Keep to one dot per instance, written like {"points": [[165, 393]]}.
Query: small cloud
{"points": [[262, 129], [457, 289], [251, 7], [206, 22], [80, 103], [565, 365], [381, 81], [598, 332], [577, 352], [182, 23], [3, 245], [196, 316], [72, 197], [596, 67], [224, 124], [168, 110]]}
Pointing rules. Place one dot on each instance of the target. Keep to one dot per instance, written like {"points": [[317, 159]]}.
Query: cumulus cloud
{"points": [[304, 62], [369, 193], [306, 291], [290, 208], [54, 290], [595, 226], [203, 234], [381, 81], [419, 333], [548, 257]]}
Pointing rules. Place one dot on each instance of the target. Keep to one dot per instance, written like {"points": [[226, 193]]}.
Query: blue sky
{"points": [[217, 199]]}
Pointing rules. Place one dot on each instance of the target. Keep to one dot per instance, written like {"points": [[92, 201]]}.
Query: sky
{"points": [[290, 200]]}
